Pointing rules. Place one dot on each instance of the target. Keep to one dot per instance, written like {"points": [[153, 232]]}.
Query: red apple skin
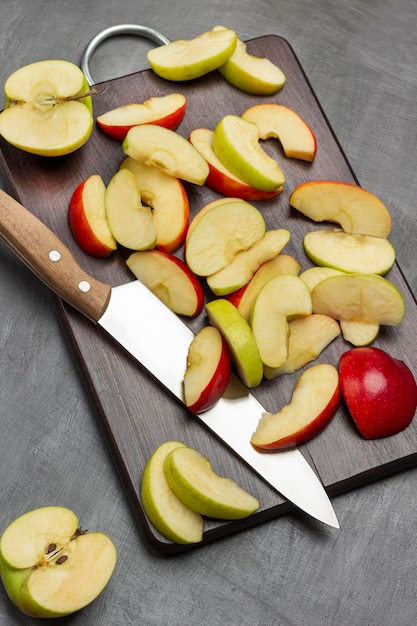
{"points": [[217, 385], [170, 121], [219, 182], [192, 277], [379, 390]]}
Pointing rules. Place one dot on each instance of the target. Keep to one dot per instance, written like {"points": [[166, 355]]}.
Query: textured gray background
{"points": [[361, 60]]}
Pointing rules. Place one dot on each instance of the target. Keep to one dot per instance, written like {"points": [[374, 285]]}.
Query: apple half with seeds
{"points": [[314, 402], [50, 567]]}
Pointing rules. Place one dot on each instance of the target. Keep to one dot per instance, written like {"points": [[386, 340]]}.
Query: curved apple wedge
{"points": [[165, 511], [315, 399], [168, 151], [208, 370], [359, 333], [191, 478], [50, 567], [354, 208]]}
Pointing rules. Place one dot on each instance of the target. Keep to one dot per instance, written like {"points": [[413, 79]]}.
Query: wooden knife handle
{"points": [[45, 254]]}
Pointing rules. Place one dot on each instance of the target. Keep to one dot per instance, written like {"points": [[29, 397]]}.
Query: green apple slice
{"points": [[247, 262], [191, 478], [350, 252], [359, 297], [314, 275], [165, 511], [239, 338], [236, 145], [50, 567], [359, 333], [186, 59], [48, 109]]}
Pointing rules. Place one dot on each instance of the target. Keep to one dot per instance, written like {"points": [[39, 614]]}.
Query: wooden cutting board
{"points": [[135, 412]]}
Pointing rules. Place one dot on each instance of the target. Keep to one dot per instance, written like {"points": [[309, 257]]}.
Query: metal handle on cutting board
{"points": [[120, 29]]}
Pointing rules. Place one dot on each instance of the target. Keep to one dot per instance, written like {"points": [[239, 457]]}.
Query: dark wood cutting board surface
{"points": [[135, 411]]}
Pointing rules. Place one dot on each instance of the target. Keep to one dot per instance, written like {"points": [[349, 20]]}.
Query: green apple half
{"points": [[49, 566], [48, 108]]}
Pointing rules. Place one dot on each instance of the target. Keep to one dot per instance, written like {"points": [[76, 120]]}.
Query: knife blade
{"points": [[123, 312]]}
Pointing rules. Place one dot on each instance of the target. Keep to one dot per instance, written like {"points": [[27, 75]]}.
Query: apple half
{"points": [[167, 111], [169, 278], [48, 108], [87, 218], [50, 567], [165, 511], [353, 207], [192, 479], [297, 139], [314, 402], [208, 370]]}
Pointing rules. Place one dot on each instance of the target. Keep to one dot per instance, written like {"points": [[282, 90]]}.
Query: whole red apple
{"points": [[380, 391]]}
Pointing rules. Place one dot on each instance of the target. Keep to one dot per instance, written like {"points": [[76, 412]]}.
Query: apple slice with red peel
{"points": [[129, 220], [278, 121], [167, 111], [354, 208], [168, 151], [280, 299], [87, 218], [245, 263], [244, 297], [236, 144], [314, 402], [220, 234], [308, 337], [169, 278], [220, 178], [350, 252], [165, 511], [169, 202], [380, 391], [187, 59], [192, 479], [239, 338], [208, 370], [359, 333]]}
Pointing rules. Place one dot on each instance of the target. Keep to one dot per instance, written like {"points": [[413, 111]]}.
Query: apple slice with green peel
{"points": [[294, 134], [244, 297], [208, 370], [165, 511], [87, 218], [50, 567], [190, 476], [168, 151], [314, 275], [280, 299], [48, 108], [129, 220], [245, 263], [186, 59], [350, 252], [236, 144], [205, 209], [220, 178], [167, 111], [359, 297], [222, 232], [354, 208], [239, 338], [315, 399], [359, 333], [169, 278], [308, 337], [168, 199]]}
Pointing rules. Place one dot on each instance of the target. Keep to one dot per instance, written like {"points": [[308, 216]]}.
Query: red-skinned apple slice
{"points": [[169, 278], [220, 178], [169, 202], [88, 220], [276, 120], [314, 402], [208, 370], [167, 111], [380, 391]]}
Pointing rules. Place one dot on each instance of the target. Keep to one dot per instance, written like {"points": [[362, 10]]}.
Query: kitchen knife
{"points": [[124, 312]]}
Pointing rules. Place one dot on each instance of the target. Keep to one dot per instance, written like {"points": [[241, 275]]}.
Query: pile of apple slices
{"points": [[179, 488]]}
